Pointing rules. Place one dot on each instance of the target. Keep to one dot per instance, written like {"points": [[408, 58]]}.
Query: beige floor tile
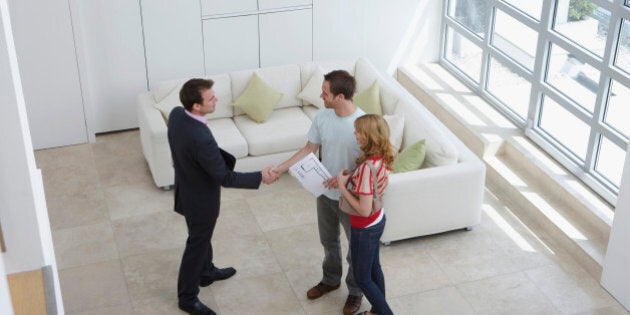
{"points": [[251, 255], [167, 304], [69, 180], [152, 274], [117, 145], [235, 220], [136, 199], [444, 301], [146, 233], [283, 209], [506, 294], [408, 269], [125, 309], [304, 278], [297, 247], [93, 286], [80, 208], [84, 245], [80, 154], [571, 289], [121, 171], [611, 310], [270, 294]]}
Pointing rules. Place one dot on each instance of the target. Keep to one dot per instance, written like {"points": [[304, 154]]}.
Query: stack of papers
{"points": [[310, 172]]}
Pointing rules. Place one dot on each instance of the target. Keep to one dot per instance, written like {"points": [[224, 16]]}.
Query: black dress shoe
{"points": [[215, 275], [196, 308]]}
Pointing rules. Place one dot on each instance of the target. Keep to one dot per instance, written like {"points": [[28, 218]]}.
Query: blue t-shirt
{"points": [[338, 146]]}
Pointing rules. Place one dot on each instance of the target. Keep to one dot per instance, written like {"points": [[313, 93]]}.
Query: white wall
{"points": [[45, 46], [23, 210], [616, 273], [388, 33]]}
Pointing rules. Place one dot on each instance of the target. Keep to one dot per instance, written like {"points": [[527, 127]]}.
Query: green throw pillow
{"points": [[369, 100], [410, 158], [258, 99]]}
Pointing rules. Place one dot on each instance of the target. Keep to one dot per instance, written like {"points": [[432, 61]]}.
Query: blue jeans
{"points": [[364, 246]]}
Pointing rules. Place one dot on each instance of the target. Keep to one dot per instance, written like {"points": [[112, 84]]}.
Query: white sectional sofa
{"points": [[445, 194]]}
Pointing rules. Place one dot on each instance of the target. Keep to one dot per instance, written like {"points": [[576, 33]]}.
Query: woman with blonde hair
{"points": [[367, 218]]}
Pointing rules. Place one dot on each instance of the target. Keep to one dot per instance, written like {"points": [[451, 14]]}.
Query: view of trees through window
{"points": [[559, 69]]}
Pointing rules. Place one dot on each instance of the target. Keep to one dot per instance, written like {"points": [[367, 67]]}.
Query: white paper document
{"points": [[310, 172]]}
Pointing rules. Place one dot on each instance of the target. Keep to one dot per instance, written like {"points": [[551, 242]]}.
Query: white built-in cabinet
{"points": [[215, 36]]}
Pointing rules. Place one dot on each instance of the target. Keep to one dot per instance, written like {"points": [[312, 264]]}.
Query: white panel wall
{"points": [[233, 50], [273, 4], [213, 7], [23, 212], [173, 40], [111, 60], [616, 273], [50, 77], [286, 37], [338, 29]]}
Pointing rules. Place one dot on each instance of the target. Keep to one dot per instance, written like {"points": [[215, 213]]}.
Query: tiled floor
{"points": [[118, 246]]}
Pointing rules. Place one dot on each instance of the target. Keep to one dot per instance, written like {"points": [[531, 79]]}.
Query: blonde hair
{"points": [[375, 131]]}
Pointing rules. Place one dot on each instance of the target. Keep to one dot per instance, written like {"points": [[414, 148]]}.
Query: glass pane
{"points": [[618, 109], [509, 87], [610, 161], [622, 59], [574, 78], [530, 7], [567, 129], [464, 54], [515, 39], [583, 22], [471, 13]]}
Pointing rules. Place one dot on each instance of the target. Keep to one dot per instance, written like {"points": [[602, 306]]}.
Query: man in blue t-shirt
{"points": [[333, 131]]}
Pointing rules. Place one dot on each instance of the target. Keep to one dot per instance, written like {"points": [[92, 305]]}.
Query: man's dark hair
{"points": [[341, 82], [191, 92]]}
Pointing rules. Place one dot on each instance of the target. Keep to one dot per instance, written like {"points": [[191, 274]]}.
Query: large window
{"points": [[559, 69]]}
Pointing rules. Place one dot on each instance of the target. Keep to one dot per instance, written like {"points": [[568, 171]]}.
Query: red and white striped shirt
{"points": [[360, 183]]}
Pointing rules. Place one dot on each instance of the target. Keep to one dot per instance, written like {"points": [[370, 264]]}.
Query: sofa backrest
{"points": [[284, 79]]}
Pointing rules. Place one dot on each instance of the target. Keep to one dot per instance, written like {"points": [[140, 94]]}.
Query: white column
{"points": [[616, 273], [23, 212]]}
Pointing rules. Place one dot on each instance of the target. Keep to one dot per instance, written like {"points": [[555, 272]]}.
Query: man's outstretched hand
{"points": [[270, 175]]}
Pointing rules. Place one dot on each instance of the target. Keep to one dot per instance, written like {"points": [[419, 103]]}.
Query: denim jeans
{"points": [[364, 245], [329, 218]]}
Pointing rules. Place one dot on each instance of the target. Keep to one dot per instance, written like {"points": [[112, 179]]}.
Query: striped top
{"points": [[360, 183]]}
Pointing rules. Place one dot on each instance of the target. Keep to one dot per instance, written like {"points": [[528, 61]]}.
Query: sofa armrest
{"points": [[434, 200], [153, 136]]}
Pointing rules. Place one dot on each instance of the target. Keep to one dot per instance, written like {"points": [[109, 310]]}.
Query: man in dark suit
{"points": [[201, 168]]}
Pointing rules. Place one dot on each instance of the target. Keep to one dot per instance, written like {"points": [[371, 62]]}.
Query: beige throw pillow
{"points": [[313, 89]]}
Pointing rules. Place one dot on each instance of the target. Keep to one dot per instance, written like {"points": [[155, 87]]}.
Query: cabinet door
{"points": [[231, 43], [286, 37], [213, 7], [172, 37], [47, 61], [274, 4], [109, 44]]}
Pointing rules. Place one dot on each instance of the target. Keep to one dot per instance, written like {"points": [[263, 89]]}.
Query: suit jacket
{"points": [[201, 169]]}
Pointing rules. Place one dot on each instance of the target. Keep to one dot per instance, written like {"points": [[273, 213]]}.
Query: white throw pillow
{"points": [[396, 125], [313, 89], [169, 102]]}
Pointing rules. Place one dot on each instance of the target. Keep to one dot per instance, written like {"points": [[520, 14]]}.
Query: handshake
{"points": [[270, 175]]}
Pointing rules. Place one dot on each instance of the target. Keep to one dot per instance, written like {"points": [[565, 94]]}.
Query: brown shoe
{"points": [[353, 303], [320, 289]]}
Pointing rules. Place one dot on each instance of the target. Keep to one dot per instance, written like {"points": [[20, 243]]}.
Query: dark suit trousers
{"points": [[197, 260]]}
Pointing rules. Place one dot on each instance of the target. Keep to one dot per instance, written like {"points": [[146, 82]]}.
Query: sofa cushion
{"points": [[222, 90], [421, 124], [396, 125], [258, 99], [284, 79], [410, 158], [311, 92], [310, 111], [285, 130], [228, 136], [307, 69], [389, 89], [163, 89], [369, 100]]}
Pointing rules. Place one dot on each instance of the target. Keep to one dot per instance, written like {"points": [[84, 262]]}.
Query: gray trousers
{"points": [[328, 218]]}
